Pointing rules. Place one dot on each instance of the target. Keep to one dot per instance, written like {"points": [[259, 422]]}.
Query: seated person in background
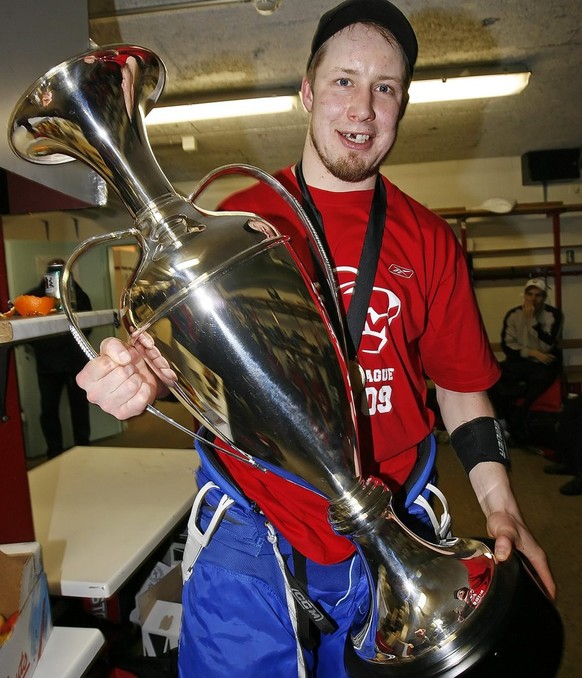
{"points": [[530, 339], [569, 447]]}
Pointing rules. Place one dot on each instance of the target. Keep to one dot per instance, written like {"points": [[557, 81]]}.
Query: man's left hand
{"points": [[509, 531]]}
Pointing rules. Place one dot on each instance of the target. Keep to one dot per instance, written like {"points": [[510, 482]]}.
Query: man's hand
{"points": [[529, 310], [493, 490], [510, 531], [540, 356], [504, 521], [119, 380]]}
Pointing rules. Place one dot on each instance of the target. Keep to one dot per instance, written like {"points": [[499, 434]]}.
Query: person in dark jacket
{"points": [[530, 338], [58, 360]]}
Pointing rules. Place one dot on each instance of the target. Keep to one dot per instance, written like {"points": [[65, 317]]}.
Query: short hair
{"points": [[389, 37]]}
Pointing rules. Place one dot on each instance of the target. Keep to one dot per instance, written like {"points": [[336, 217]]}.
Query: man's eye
{"points": [[385, 89], [344, 82]]}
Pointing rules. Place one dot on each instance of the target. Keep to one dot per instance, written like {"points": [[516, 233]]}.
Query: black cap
{"points": [[379, 12]]}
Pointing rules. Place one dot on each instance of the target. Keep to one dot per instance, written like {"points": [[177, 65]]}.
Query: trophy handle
{"points": [[76, 331], [318, 248]]}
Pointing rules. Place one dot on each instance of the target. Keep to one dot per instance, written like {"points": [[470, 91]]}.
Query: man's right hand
{"points": [[540, 356], [119, 380], [528, 310]]}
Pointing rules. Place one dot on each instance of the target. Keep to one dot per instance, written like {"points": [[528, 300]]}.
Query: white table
{"points": [[69, 652], [99, 512]]}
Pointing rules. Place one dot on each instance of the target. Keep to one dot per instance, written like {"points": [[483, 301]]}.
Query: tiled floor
{"points": [[553, 518]]}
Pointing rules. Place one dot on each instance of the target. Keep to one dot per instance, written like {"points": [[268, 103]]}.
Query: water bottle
{"points": [[52, 284]]}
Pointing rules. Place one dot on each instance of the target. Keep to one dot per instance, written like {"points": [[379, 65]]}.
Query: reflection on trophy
{"points": [[232, 311]]}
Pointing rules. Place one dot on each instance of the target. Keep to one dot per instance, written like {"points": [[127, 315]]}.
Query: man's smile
{"points": [[356, 138]]}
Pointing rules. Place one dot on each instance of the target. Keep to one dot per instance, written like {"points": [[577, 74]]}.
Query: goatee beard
{"points": [[350, 168]]}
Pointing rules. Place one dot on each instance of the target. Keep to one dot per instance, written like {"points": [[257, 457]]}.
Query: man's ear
{"points": [[306, 95]]}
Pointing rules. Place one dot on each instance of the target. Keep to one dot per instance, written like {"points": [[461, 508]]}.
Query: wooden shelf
{"points": [[520, 209], [508, 251], [549, 210], [566, 343], [18, 329], [523, 271]]}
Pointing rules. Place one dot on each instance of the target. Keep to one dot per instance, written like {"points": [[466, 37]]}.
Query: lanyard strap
{"points": [[358, 308]]}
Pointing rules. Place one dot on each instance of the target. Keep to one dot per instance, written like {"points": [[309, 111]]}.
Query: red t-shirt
{"points": [[479, 579], [422, 321]]}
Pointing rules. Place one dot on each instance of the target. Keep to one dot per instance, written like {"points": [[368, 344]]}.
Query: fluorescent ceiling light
{"points": [[462, 87], [423, 90], [215, 110]]}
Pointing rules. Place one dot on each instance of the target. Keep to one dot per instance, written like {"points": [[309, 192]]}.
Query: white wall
{"points": [[468, 183], [438, 185]]}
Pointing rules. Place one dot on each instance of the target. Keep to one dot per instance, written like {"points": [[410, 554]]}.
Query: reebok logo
{"points": [[402, 272]]}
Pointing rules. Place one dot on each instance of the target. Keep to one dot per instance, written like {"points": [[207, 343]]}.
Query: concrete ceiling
{"points": [[213, 48]]}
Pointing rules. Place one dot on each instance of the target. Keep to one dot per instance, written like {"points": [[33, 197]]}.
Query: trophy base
{"points": [[519, 635]]}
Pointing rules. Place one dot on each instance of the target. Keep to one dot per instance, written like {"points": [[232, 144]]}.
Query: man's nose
{"points": [[362, 105]]}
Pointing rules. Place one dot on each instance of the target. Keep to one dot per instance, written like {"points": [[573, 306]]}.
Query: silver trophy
{"points": [[256, 357]]}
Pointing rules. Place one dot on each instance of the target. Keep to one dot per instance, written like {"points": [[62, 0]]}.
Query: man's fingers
{"points": [[510, 534], [136, 403], [540, 564], [115, 349], [104, 380], [503, 548]]}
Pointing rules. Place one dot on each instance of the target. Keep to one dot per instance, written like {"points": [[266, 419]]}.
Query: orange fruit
{"points": [[29, 305]]}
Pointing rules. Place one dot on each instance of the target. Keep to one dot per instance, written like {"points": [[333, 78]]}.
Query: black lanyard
{"points": [[358, 308]]}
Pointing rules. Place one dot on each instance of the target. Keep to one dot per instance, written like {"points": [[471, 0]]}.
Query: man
{"points": [[58, 361], [238, 615], [530, 339]]}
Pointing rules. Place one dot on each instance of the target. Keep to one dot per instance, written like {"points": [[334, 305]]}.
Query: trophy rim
{"points": [[124, 48]]}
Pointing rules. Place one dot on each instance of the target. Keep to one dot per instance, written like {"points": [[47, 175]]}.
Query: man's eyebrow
{"points": [[341, 70], [344, 69]]}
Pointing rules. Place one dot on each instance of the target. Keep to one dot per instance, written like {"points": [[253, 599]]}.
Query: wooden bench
{"points": [[573, 373], [566, 343]]}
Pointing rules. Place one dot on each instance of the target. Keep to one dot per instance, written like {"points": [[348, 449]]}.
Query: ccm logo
{"points": [[307, 605]]}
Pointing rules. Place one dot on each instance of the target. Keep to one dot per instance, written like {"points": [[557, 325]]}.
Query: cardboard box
{"points": [[23, 591], [159, 613], [175, 553], [161, 629]]}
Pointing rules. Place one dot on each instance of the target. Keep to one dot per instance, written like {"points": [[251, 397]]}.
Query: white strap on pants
{"points": [[197, 539], [272, 537], [441, 527]]}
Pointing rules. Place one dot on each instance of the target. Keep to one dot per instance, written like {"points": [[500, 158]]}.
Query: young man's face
{"points": [[355, 103], [534, 297]]}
